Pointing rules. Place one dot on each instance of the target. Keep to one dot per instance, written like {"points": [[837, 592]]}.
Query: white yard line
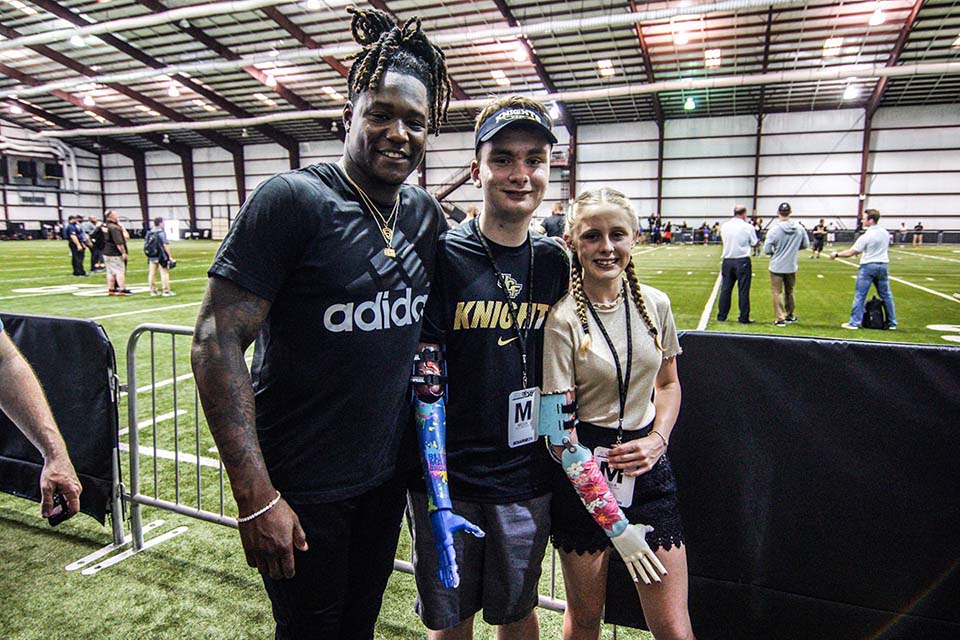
{"points": [[162, 383], [147, 310], [923, 255], [163, 417], [187, 458], [908, 283], [708, 309]]}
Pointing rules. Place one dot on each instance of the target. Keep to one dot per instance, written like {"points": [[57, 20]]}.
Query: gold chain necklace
{"points": [[384, 225]]}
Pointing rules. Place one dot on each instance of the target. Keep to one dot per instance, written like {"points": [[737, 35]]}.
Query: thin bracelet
{"points": [[259, 513], [665, 445]]}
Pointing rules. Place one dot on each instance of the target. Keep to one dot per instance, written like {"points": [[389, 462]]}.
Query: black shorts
{"points": [[339, 582], [818, 243], [654, 501]]}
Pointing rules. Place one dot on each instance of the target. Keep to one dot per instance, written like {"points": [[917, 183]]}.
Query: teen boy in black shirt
{"points": [[328, 267], [492, 277]]}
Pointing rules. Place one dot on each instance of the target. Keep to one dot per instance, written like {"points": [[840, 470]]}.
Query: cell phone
{"points": [[58, 499]]}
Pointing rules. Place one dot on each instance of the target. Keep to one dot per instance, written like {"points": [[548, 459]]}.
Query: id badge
{"points": [[523, 417], [620, 484]]}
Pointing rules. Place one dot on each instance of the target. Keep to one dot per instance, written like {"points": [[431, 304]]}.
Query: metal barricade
{"points": [[136, 498]]}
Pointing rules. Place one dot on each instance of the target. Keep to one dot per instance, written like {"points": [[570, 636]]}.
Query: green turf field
{"points": [[197, 585]]}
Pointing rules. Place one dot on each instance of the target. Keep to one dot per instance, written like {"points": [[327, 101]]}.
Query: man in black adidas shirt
{"points": [[492, 277], [329, 268]]}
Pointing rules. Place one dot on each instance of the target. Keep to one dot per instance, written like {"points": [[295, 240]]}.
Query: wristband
{"points": [[665, 445], [256, 514]]}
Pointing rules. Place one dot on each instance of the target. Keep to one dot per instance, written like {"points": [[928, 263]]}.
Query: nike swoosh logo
{"points": [[501, 341]]}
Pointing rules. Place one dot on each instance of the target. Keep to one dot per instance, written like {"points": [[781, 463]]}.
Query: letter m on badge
{"points": [[524, 411]]}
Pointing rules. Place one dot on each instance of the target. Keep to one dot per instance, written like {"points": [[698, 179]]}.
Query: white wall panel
{"points": [[696, 211], [812, 185], [631, 131], [910, 183], [709, 148], [812, 206], [911, 209], [707, 167], [741, 188], [812, 121], [833, 163], [809, 142], [895, 140], [931, 161], [613, 151], [698, 127], [617, 171], [917, 116]]}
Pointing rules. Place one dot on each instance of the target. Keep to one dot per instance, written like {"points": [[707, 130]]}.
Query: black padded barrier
{"points": [[819, 487], [75, 363]]}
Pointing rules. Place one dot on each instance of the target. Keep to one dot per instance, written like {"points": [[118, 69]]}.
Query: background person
{"points": [[115, 256], [819, 238], [873, 270], [613, 342], [23, 401], [160, 261], [738, 237], [918, 234], [495, 282], [328, 268], [553, 224], [784, 241], [76, 239]]}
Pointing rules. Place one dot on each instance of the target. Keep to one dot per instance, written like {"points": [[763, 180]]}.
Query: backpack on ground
{"points": [[98, 238], [874, 314], [151, 244]]}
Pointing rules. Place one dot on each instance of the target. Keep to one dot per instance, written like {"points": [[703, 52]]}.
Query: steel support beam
{"points": [[864, 161], [140, 171], [240, 177], [661, 132], [186, 163], [572, 164], [756, 162], [648, 69], [881, 86]]}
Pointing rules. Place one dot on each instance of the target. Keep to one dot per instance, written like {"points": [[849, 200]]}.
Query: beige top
{"points": [[594, 374]]}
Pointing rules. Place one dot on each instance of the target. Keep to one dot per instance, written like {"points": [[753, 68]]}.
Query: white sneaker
{"points": [[847, 325], [154, 294], [167, 294]]}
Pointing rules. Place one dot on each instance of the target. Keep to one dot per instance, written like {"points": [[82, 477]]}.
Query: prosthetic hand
{"points": [[432, 436], [556, 419]]}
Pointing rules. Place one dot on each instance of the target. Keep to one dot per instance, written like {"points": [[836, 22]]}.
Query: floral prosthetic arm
{"points": [[580, 467], [432, 437]]}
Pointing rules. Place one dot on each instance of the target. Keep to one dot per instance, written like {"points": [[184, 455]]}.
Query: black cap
{"points": [[513, 115], [784, 208]]}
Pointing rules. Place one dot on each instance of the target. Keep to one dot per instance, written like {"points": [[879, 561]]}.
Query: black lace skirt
{"points": [[654, 501]]}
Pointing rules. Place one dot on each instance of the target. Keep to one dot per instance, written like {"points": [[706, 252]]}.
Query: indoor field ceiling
{"points": [[754, 39]]}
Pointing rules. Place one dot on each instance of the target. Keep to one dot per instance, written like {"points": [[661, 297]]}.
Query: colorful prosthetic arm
{"points": [[432, 436], [556, 419]]}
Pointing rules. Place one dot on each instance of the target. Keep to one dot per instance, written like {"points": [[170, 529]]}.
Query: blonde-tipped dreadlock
{"points": [[387, 45], [613, 197]]}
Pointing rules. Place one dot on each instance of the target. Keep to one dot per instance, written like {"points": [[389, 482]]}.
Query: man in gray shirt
{"points": [[873, 269], [784, 241], [738, 237]]}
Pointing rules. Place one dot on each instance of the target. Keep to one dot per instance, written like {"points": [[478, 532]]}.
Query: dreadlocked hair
{"points": [[634, 284], [576, 288], [387, 45]]}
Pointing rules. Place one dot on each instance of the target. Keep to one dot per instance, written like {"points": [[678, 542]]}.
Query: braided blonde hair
{"points": [[604, 196]]}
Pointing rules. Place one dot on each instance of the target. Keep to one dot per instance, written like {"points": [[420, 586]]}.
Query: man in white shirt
{"points": [[738, 237], [873, 269]]}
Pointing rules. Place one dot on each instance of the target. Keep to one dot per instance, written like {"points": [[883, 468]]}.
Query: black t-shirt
{"points": [[553, 226], [467, 313], [332, 360]]}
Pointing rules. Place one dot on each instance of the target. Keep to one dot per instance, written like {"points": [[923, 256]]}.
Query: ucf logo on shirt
{"points": [[513, 287]]}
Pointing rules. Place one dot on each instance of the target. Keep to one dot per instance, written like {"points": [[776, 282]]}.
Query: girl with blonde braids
{"points": [[611, 344]]}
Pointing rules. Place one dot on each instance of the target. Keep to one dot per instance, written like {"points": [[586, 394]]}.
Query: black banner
{"points": [[74, 362], [820, 489]]}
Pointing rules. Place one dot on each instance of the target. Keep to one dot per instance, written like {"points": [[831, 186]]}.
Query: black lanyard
{"points": [[511, 305], [623, 384]]}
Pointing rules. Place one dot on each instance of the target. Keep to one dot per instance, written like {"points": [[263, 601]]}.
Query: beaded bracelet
{"points": [[256, 514]]}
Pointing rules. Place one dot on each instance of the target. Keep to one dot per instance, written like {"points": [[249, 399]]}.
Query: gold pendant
{"points": [[388, 234], [390, 252]]}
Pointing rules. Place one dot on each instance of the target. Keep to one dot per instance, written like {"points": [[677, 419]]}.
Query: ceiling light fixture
{"points": [[689, 104], [173, 90], [956, 43], [520, 53], [314, 5], [243, 133], [88, 101], [166, 138], [711, 58], [554, 111], [77, 40], [16, 109], [606, 67], [852, 92], [500, 77], [831, 47], [270, 80], [877, 17]]}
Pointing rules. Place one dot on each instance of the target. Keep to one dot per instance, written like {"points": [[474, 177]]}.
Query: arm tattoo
{"points": [[229, 320]]}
